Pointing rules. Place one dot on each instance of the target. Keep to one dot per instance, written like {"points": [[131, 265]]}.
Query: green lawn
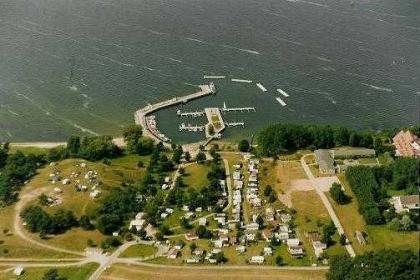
{"points": [[384, 238], [139, 250], [196, 175], [71, 273], [28, 150]]}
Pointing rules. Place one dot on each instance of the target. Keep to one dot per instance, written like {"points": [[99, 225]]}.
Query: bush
{"points": [[337, 194], [243, 145]]}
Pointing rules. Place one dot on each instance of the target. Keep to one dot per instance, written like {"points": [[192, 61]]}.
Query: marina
{"points": [[282, 92], [141, 115], [241, 81], [279, 100], [261, 87]]}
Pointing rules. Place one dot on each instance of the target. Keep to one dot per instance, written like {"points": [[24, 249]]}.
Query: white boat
{"points": [[261, 87], [241, 81], [281, 101], [282, 92]]}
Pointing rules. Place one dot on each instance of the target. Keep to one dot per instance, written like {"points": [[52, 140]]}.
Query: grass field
{"points": [[196, 175], [79, 202], [311, 216], [379, 237], [28, 150], [152, 273], [11, 246], [350, 218], [71, 273], [139, 251]]}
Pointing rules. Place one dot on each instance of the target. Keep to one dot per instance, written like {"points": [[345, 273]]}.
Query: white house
{"points": [[405, 203], [18, 271], [294, 242], [256, 260]]}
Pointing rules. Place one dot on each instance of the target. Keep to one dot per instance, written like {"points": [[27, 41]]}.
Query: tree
{"points": [[52, 274], [73, 145], [177, 154], [193, 246], [85, 223], [43, 199], [327, 233], [132, 135], [185, 224], [406, 223], [211, 129], [108, 223], [279, 261], [268, 190], [243, 145], [200, 157], [3, 156], [260, 222], [187, 156], [337, 193], [202, 232]]}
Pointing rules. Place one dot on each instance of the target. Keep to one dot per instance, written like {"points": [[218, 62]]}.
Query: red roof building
{"points": [[407, 144]]}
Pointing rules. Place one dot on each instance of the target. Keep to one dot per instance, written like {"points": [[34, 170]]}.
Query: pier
{"points": [[241, 81], [279, 90], [279, 100], [191, 128], [190, 114], [214, 77], [140, 115], [225, 109], [235, 124], [261, 87]]}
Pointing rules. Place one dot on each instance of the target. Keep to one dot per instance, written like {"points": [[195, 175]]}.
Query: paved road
{"points": [[326, 203]]}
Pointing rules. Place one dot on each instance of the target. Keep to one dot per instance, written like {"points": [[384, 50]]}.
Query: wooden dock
{"points": [[140, 115]]}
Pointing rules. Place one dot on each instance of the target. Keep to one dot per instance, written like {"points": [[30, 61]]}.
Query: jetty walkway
{"points": [[140, 115]]}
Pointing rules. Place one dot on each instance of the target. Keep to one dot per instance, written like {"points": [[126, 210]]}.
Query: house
{"points": [[173, 253], [319, 248], [66, 181], [407, 144], [194, 259], [164, 215], [150, 231], [190, 236], [116, 233], [94, 194], [179, 245], [241, 249], [360, 237], [185, 208], [405, 203], [295, 251], [218, 243], [169, 210], [198, 252], [325, 161], [285, 218], [18, 271], [252, 226], [256, 260], [292, 242], [268, 251], [189, 215], [202, 221], [57, 190], [199, 209], [138, 224]]}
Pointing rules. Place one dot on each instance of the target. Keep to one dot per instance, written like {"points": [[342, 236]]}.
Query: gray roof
{"points": [[324, 159], [352, 153]]}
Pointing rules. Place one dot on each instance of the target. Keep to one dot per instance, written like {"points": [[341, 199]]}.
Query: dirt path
{"points": [[326, 203], [20, 231]]}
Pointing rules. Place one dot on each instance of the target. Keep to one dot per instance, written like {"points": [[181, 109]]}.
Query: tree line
{"points": [[280, 138], [15, 169], [386, 264]]}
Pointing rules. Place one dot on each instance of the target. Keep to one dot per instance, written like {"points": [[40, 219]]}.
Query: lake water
{"points": [[83, 67]]}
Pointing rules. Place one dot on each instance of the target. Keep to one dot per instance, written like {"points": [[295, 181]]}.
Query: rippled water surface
{"points": [[83, 67]]}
